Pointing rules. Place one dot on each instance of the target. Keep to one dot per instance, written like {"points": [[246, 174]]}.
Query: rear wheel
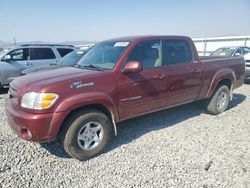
{"points": [[86, 134], [219, 101]]}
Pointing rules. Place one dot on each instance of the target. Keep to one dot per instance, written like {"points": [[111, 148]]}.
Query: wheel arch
{"points": [[224, 77], [99, 102]]}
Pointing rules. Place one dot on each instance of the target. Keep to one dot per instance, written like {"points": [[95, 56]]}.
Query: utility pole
{"points": [[204, 45], [14, 41]]}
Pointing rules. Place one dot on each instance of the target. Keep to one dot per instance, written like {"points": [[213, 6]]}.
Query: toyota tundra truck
{"points": [[117, 79]]}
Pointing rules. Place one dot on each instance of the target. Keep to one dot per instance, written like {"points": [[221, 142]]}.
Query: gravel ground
{"points": [[180, 147]]}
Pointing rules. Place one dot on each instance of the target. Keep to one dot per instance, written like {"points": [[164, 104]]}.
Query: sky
{"points": [[93, 20]]}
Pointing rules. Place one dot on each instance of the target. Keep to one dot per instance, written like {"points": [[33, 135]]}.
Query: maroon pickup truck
{"points": [[116, 80]]}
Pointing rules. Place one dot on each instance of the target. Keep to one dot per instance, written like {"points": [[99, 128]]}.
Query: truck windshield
{"points": [[104, 55]]}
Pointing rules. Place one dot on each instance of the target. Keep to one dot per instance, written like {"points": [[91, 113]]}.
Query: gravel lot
{"points": [[180, 147]]}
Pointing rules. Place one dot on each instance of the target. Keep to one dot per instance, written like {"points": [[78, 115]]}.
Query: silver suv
{"points": [[14, 60]]}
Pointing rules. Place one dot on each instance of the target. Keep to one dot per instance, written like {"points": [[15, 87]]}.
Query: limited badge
{"points": [[79, 84]]}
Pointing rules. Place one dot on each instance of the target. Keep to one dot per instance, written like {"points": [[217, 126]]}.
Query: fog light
{"points": [[26, 134]]}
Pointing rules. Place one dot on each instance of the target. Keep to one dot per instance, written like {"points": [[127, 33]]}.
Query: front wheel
{"points": [[86, 134], [219, 101]]}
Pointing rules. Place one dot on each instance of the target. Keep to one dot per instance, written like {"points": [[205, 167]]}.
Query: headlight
{"points": [[38, 101]]}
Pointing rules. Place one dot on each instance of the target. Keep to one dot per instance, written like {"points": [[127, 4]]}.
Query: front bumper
{"points": [[33, 127], [247, 72]]}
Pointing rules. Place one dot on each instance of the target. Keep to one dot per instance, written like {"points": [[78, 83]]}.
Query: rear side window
{"points": [[64, 51], [177, 52], [41, 53]]}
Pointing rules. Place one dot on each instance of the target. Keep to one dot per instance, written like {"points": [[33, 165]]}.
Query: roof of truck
{"points": [[146, 37]]}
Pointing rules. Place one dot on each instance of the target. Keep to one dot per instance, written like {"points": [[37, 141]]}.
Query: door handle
{"points": [[27, 63], [160, 76], [196, 71]]}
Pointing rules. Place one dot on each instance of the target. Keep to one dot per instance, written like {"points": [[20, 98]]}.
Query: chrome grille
{"points": [[13, 95]]}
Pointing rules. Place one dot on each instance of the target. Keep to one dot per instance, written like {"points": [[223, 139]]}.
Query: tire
{"points": [[80, 132], [219, 101]]}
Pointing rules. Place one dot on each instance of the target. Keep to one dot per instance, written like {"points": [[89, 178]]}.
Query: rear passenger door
{"points": [[42, 56], [184, 75]]}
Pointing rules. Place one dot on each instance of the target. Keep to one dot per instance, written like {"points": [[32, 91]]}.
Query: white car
{"points": [[14, 60], [231, 51], [247, 59]]}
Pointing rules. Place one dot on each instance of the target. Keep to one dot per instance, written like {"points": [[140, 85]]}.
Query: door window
{"points": [[41, 53], [64, 51], [246, 50], [19, 54], [148, 53], [238, 52], [177, 52]]}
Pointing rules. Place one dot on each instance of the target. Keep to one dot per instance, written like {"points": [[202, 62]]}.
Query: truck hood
{"points": [[40, 79]]}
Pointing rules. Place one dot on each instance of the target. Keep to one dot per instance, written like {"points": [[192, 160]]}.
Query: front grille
{"points": [[247, 63], [13, 95]]}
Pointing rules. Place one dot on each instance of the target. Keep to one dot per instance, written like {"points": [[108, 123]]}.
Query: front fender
{"points": [[84, 99], [1, 79], [225, 74]]}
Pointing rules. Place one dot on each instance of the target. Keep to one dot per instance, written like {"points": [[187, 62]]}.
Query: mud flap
{"points": [[231, 91]]}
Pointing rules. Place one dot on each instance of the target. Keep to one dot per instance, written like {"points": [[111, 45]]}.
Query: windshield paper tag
{"points": [[119, 44]]}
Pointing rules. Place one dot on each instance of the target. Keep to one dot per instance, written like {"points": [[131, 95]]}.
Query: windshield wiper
{"points": [[93, 66], [77, 66]]}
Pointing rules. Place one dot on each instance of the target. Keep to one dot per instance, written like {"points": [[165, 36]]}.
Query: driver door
{"points": [[145, 91], [13, 63], [20, 58]]}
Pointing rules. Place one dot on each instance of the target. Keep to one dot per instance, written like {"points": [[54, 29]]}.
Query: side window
{"points": [[64, 51], [238, 52], [41, 53], [20, 54], [148, 53], [246, 50], [177, 52]]}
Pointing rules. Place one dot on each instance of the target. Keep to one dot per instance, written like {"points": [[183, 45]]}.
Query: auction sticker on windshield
{"points": [[117, 44]]}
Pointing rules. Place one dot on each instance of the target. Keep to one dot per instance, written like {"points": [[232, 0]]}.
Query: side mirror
{"points": [[237, 54], [132, 66], [6, 58]]}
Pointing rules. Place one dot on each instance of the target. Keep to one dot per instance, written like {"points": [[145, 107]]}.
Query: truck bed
{"points": [[215, 57], [211, 65]]}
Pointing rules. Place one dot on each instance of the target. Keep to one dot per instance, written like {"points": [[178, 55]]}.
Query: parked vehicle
{"points": [[68, 60], [14, 60], [116, 80], [231, 51], [247, 59]]}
